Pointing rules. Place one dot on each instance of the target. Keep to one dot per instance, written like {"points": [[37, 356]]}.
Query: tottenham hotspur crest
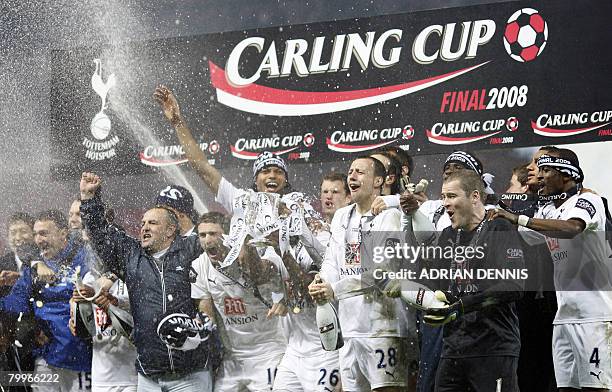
{"points": [[101, 124]]}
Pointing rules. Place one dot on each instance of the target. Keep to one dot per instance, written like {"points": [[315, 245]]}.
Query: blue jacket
{"points": [[63, 349], [154, 291]]}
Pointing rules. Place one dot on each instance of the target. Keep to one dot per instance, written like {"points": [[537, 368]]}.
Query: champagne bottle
{"points": [[328, 325]]}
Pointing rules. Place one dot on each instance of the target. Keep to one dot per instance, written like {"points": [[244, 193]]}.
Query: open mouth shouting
{"points": [[271, 186], [44, 248], [213, 251], [354, 186], [216, 251], [145, 239], [451, 215]]}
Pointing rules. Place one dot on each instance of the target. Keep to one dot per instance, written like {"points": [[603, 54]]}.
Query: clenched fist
{"points": [[90, 184]]}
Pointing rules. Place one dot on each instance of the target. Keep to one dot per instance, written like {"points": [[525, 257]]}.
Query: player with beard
{"points": [[373, 325], [572, 225], [269, 175], [253, 342], [481, 337]]}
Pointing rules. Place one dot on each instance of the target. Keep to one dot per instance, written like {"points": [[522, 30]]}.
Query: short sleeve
{"points": [[226, 194], [588, 207], [199, 285]]}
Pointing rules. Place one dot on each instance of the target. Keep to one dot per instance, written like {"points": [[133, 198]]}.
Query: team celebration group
{"points": [[275, 295]]}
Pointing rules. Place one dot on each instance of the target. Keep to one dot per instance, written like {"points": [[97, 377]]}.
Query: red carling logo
{"points": [[249, 149], [465, 132], [512, 124], [571, 124], [242, 90], [159, 156], [525, 35], [366, 139]]}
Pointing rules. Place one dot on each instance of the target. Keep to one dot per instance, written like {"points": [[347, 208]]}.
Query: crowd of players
{"points": [[228, 301]]}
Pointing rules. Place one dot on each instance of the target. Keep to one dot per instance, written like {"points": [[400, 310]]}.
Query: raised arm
{"points": [[208, 173], [112, 245]]}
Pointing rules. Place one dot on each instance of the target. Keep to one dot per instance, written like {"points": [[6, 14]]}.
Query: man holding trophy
{"points": [[275, 219]]}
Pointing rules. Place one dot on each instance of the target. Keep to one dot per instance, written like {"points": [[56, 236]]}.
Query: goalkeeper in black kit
{"points": [[481, 335]]}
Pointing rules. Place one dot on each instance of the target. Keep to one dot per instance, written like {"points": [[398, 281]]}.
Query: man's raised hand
{"points": [[82, 293], [409, 203], [164, 97], [105, 299], [90, 183]]}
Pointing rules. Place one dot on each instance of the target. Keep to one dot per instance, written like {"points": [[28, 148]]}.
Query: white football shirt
{"points": [[245, 330], [113, 357], [581, 265], [369, 315]]}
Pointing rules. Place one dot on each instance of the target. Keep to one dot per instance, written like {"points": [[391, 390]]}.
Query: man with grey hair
{"points": [[172, 338]]}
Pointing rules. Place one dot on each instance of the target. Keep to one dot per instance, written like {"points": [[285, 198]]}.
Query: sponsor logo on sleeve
{"points": [[587, 206], [553, 244]]}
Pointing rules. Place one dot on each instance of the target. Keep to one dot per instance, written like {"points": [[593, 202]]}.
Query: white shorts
{"points": [[310, 374], [582, 355], [369, 363], [116, 388], [67, 380], [248, 374]]}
